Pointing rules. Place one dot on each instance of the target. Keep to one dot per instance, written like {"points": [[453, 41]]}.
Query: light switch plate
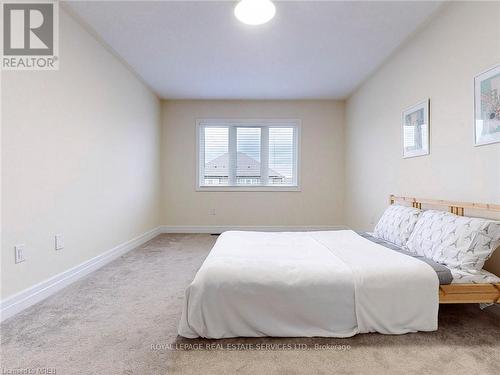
{"points": [[59, 242], [19, 253]]}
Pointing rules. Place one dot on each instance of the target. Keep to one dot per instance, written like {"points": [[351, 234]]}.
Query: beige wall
{"points": [[80, 156], [438, 63], [320, 201]]}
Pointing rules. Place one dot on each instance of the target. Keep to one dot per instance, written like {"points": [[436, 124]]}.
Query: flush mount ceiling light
{"points": [[255, 12]]}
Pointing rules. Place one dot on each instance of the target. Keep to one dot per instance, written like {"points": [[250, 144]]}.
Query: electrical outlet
{"points": [[19, 253], [211, 212], [59, 242]]}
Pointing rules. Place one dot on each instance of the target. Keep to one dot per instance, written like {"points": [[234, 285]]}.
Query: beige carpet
{"points": [[123, 319]]}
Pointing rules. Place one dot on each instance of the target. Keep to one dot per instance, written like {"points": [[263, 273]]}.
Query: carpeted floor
{"points": [[123, 319]]}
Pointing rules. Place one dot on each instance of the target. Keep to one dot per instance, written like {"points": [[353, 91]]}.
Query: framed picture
{"points": [[416, 130], [487, 107]]}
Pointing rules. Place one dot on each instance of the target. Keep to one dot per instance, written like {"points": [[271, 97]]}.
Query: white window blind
{"points": [[248, 154]]}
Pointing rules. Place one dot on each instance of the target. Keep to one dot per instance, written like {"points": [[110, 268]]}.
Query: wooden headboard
{"points": [[491, 211]]}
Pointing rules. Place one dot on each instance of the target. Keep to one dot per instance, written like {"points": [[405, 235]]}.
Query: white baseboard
{"points": [[28, 297], [215, 229]]}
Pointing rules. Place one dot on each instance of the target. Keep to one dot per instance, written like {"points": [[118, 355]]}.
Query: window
{"points": [[248, 154]]}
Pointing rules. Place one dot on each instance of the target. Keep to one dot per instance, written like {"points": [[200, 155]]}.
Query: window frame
{"points": [[260, 123]]}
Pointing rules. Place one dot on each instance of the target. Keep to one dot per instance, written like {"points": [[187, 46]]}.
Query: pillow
{"points": [[426, 233], [458, 242], [396, 224]]}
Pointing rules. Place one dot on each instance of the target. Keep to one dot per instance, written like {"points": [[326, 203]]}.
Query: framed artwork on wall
{"points": [[487, 107], [416, 130]]}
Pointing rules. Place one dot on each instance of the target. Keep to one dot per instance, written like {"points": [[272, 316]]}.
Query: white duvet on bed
{"points": [[332, 284]]}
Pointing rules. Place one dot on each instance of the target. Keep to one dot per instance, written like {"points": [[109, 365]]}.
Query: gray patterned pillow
{"points": [[458, 242], [396, 224]]}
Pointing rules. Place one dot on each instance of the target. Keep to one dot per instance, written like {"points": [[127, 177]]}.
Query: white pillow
{"points": [[458, 242], [427, 233], [396, 224]]}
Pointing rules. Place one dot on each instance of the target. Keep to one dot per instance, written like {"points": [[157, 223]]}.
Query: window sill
{"points": [[248, 188]]}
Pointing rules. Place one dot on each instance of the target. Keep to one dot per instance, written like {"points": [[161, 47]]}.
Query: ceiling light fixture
{"points": [[255, 12]]}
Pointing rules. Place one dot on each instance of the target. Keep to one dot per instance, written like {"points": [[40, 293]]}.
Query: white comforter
{"points": [[332, 284]]}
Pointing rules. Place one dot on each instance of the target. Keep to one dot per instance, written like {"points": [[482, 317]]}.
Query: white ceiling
{"points": [[198, 50]]}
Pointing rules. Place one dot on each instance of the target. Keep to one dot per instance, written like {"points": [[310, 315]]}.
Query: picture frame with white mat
{"points": [[487, 107], [416, 130]]}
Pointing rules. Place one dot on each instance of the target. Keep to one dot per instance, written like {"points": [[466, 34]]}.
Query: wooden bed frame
{"points": [[463, 293]]}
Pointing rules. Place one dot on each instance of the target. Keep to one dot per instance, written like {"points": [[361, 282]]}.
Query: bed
{"points": [[325, 283]]}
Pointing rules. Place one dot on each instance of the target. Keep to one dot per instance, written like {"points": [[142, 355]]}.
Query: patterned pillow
{"points": [[396, 224], [458, 242], [426, 233]]}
